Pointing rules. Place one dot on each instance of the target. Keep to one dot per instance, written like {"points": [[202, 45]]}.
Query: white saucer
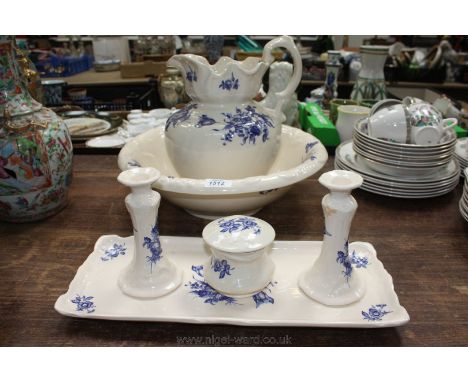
{"points": [[94, 293], [106, 141]]}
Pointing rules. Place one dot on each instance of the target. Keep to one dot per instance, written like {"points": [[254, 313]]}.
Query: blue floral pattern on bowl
{"points": [[343, 258], [154, 246], [181, 115], [247, 125], [210, 296], [115, 251], [232, 83], [221, 266], [238, 224], [375, 312], [309, 146], [84, 303]]}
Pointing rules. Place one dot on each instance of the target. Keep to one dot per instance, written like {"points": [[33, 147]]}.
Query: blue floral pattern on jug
{"points": [[204, 120], [221, 266], [247, 125], [238, 224], [191, 75], [359, 262], [84, 303], [343, 258], [375, 312], [154, 246], [232, 83], [113, 252], [210, 296], [181, 115]]}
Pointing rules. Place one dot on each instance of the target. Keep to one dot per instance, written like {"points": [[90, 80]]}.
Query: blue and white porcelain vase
{"points": [[333, 67], [35, 149], [222, 133], [331, 279], [151, 273]]}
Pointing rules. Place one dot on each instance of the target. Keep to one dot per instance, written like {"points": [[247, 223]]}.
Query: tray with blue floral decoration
{"points": [[94, 292]]}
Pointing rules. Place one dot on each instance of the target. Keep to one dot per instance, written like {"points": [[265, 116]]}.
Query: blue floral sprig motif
{"points": [[246, 124], [375, 313], [238, 224], [84, 303], [154, 246], [133, 163], [343, 258], [221, 266], [191, 75], [181, 115], [204, 120], [210, 296], [359, 262], [263, 297], [203, 290], [113, 252], [309, 146], [232, 83]]}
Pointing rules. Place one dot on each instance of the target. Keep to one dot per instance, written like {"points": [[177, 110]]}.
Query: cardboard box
{"points": [[142, 69]]}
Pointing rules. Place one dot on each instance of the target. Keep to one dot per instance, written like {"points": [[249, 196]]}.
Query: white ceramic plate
{"points": [[107, 141], [346, 155], [94, 293], [87, 127]]}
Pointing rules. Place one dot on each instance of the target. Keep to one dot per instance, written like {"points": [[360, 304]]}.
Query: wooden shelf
{"points": [[437, 85], [93, 78]]}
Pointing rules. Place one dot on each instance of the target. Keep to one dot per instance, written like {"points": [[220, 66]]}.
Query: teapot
{"points": [[222, 132]]}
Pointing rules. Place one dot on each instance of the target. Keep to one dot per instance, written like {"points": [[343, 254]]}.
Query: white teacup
{"points": [[431, 134], [390, 123], [348, 115]]}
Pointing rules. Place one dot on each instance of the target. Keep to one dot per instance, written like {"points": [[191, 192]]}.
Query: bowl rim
{"points": [[251, 184]]}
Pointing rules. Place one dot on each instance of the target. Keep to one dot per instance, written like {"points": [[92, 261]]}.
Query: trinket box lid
{"points": [[238, 233]]}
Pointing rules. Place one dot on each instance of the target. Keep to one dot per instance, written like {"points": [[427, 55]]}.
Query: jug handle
{"points": [[288, 43], [449, 124]]}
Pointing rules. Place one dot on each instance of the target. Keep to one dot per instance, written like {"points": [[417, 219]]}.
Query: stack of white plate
{"points": [[464, 198], [438, 182], [461, 153], [400, 159]]}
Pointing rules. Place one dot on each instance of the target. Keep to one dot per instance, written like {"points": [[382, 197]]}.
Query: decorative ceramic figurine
{"points": [[150, 274], [279, 77], [240, 265], [332, 66], [171, 87], [332, 280], [223, 133], [370, 83], [35, 149]]}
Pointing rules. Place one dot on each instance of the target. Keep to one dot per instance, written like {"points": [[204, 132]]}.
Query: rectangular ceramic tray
{"points": [[94, 293]]}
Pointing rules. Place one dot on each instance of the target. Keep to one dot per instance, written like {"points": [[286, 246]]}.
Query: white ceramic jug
{"points": [[222, 132]]}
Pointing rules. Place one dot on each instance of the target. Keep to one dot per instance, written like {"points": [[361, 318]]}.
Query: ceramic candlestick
{"points": [[150, 274], [331, 280]]}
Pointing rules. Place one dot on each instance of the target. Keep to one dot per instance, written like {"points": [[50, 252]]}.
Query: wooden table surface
{"points": [[422, 243]]}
